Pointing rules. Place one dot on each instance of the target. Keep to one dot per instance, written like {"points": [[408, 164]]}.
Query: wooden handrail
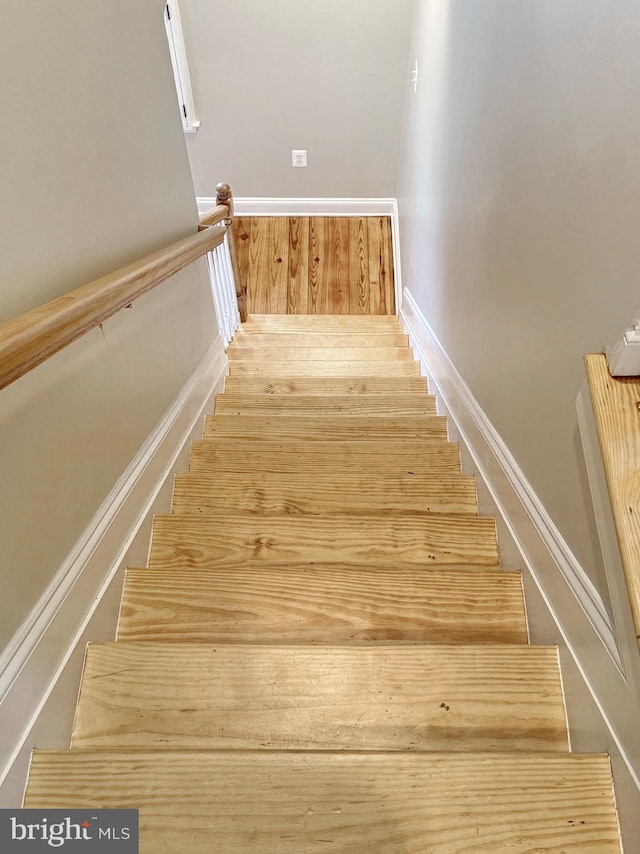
{"points": [[214, 216], [616, 411], [29, 339]]}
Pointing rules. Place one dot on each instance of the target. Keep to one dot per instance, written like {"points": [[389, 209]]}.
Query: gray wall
{"points": [[269, 77], [519, 196], [94, 173]]}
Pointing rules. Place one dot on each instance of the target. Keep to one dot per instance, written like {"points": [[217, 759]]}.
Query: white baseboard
{"points": [[40, 669], [563, 606], [246, 206]]}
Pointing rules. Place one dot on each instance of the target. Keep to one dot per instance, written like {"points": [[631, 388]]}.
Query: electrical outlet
{"points": [[299, 158]]}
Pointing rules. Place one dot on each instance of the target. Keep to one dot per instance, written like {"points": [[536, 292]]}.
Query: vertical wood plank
{"points": [[241, 228], [317, 265], [359, 286], [337, 252], [374, 249], [386, 273], [380, 265], [279, 264], [258, 275], [317, 300], [298, 280]]}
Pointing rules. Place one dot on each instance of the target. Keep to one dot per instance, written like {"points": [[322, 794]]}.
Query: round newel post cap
{"points": [[223, 192]]}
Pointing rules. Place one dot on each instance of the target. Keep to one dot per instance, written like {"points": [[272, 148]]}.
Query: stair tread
{"points": [[328, 493], [327, 406], [307, 338], [294, 385], [258, 803], [285, 351], [302, 353], [323, 605], [392, 458], [261, 428], [379, 696], [198, 541], [325, 368], [321, 323]]}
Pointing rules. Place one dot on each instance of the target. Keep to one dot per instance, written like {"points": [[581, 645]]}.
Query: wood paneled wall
{"points": [[316, 265]]}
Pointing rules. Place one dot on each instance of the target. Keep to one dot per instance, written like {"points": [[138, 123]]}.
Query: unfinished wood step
{"points": [[278, 541], [296, 385], [319, 339], [279, 353], [323, 606], [388, 458], [320, 406], [321, 323], [328, 493], [407, 803], [341, 428], [300, 697], [325, 368]]}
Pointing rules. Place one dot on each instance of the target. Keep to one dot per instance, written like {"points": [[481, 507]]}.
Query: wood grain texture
{"points": [[410, 803], [301, 324], [328, 340], [318, 298], [360, 285], [301, 353], [277, 297], [338, 268], [299, 697], [258, 263], [387, 459], [277, 541], [317, 265], [380, 265], [298, 283], [241, 231], [341, 428], [324, 385], [616, 412], [331, 368], [327, 407], [328, 494], [323, 606], [215, 215], [29, 339]]}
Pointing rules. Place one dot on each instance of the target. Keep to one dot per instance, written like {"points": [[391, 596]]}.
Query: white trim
{"points": [[178, 52], [246, 206], [39, 652], [431, 351], [397, 266], [555, 581]]}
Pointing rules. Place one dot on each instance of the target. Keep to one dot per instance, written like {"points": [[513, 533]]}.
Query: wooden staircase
{"points": [[323, 654]]}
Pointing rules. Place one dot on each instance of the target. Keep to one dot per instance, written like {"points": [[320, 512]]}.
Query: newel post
{"points": [[224, 196]]}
